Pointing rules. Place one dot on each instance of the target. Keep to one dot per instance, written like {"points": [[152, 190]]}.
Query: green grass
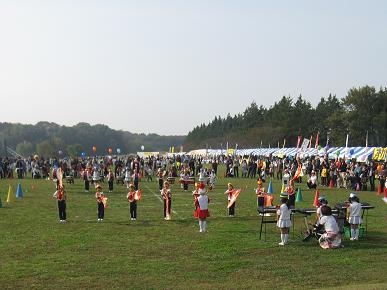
{"points": [[39, 253]]}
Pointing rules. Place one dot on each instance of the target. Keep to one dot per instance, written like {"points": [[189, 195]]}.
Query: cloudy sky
{"points": [[167, 66]]}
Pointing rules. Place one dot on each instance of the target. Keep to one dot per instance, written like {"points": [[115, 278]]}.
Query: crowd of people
{"points": [[128, 170], [319, 171]]}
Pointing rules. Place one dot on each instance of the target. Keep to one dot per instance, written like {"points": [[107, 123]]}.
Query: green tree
{"points": [[25, 148]]}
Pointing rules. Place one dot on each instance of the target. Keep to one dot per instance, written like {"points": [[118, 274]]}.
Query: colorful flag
{"points": [[316, 144], [298, 172], [137, 195], [234, 197], [104, 201]]}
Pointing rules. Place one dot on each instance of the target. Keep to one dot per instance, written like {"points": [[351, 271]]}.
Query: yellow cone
{"points": [[9, 194]]}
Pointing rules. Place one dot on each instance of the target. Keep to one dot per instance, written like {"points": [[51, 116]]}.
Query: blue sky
{"points": [[167, 66]]}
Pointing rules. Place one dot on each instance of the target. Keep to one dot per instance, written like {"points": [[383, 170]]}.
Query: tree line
{"points": [[50, 139], [362, 112]]}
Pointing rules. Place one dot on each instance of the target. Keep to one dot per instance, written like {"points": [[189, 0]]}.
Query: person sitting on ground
{"points": [[331, 239], [312, 182]]}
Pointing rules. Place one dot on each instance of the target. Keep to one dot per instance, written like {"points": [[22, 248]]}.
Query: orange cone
{"points": [[316, 196], [331, 183]]}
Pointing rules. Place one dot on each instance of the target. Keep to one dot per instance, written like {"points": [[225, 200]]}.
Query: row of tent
{"points": [[361, 154]]}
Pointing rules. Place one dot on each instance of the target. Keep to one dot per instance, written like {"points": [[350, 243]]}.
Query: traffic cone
{"points": [[299, 195], [9, 197], [316, 196], [270, 188], [283, 188], [268, 200], [379, 188], [1, 204], [331, 183], [19, 191]]}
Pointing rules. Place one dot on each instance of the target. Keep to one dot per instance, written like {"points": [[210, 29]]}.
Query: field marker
{"points": [[158, 197]]}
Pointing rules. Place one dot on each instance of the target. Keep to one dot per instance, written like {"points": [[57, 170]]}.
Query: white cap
{"points": [[352, 194]]}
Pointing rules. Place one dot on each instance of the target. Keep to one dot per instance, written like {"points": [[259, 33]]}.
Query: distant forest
{"points": [[50, 139], [363, 110]]}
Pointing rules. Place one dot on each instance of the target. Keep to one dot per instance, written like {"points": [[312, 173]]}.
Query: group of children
{"points": [[331, 237]]}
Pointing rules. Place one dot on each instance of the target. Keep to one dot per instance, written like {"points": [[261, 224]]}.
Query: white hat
{"points": [[352, 194]]}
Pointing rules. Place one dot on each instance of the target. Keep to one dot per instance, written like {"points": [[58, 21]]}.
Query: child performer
{"points": [[260, 191], [136, 178], [331, 239], [201, 212], [186, 180], [132, 202], [166, 194], [230, 193], [284, 222], [110, 179], [212, 179], [322, 201], [99, 195], [202, 175], [127, 177], [160, 177], [60, 195], [86, 179], [354, 220], [292, 193]]}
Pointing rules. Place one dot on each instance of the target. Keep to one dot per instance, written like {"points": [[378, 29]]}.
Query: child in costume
{"points": [[284, 221], [132, 202], [99, 195], [166, 194], [355, 219], [260, 191], [201, 212], [127, 177], [86, 179], [331, 239], [186, 180], [96, 176], [230, 192], [160, 178], [202, 175], [212, 179], [290, 190], [60, 195], [110, 179], [136, 179], [322, 201]]}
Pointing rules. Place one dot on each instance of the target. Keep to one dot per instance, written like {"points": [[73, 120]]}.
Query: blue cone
{"points": [[19, 191], [270, 188]]}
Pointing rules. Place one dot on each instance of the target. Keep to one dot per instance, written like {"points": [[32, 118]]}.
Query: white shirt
{"points": [[329, 224], [355, 209], [284, 212], [203, 202], [313, 179]]}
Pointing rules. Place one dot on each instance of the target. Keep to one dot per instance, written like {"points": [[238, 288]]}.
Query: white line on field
{"points": [[159, 198]]}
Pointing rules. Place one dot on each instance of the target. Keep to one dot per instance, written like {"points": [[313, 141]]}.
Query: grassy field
{"points": [[39, 253]]}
